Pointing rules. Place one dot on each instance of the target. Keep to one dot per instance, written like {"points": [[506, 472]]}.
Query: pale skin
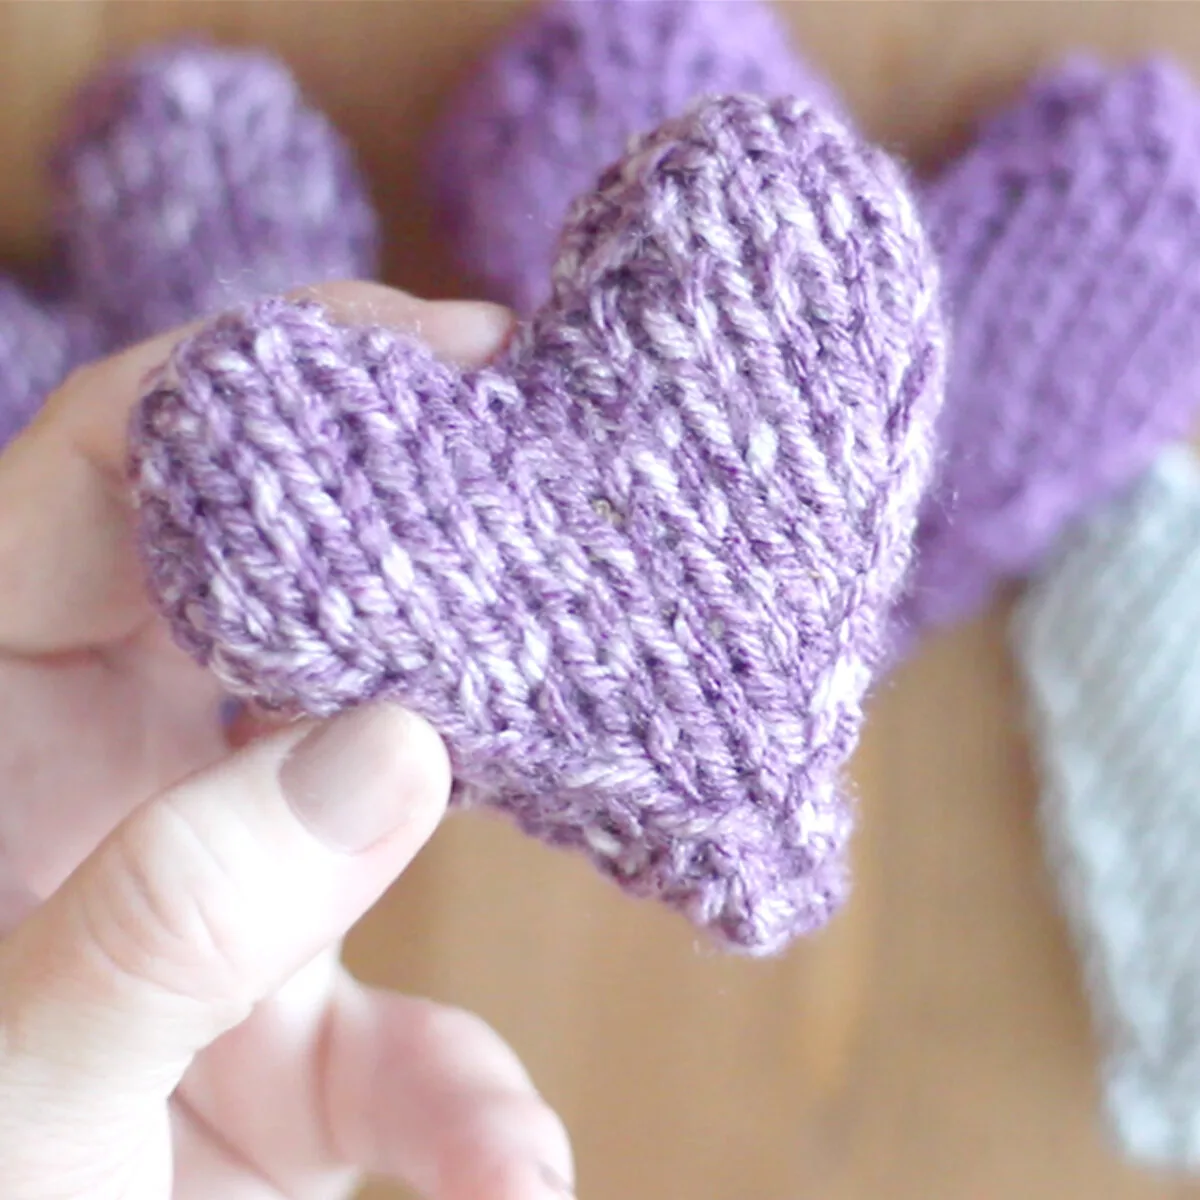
{"points": [[174, 1018]]}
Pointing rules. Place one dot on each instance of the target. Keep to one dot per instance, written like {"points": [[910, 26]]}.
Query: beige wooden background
{"points": [[932, 1046]]}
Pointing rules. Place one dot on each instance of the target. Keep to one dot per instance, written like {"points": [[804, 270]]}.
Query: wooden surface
{"points": [[934, 1045]]}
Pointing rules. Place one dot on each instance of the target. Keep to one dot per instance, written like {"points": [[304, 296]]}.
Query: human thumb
{"points": [[199, 905]]}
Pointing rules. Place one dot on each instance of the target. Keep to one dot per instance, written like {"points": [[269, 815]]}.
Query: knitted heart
{"points": [[187, 178], [1065, 231], [559, 98], [193, 177], [636, 573], [1105, 640], [1068, 238]]}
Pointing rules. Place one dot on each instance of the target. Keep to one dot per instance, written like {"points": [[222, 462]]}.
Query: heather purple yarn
{"points": [[188, 178], [1068, 234], [560, 97], [193, 177], [1069, 237], [638, 572]]}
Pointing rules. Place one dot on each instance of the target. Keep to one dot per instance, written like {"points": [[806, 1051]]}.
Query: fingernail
{"points": [[469, 332], [555, 1182], [352, 781]]}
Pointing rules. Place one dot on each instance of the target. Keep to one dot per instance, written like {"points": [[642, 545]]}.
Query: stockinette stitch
{"points": [[187, 178], [192, 177], [1065, 232], [637, 571], [1068, 237], [1106, 642], [557, 101]]}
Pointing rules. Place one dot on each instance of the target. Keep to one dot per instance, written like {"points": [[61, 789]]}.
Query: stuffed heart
{"points": [[637, 572], [191, 177], [559, 99], [1105, 641], [187, 178], [1066, 234], [1068, 237]]}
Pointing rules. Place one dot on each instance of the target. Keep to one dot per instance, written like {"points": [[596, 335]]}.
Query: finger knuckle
{"points": [[165, 911]]}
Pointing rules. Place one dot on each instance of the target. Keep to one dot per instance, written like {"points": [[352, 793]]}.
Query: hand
{"points": [[174, 1021]]}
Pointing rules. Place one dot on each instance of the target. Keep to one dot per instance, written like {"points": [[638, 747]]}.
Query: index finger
{"points": [[69, 574]]}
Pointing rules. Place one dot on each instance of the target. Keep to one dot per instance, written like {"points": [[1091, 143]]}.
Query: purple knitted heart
{"points": [[637, 572], [193, 177], [1067, 233], [1069, 237], [188, 178], [559, 99]]}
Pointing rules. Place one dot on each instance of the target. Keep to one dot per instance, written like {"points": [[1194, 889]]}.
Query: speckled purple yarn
{"points": [[193, 177], [558, 99], [1068, 234], [1069, 237], [637, 572], [188, 178]]}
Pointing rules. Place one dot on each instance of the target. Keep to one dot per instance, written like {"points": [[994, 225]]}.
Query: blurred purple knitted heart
{"points": [[1069, 237], [187, 178], [559, 98], [637, 572]]}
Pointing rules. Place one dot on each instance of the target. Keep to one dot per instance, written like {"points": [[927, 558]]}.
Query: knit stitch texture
{"points": [[1068, 237], [636, 572], [557, 101], [1066, 234], [187, 178], [1106, 641]]}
